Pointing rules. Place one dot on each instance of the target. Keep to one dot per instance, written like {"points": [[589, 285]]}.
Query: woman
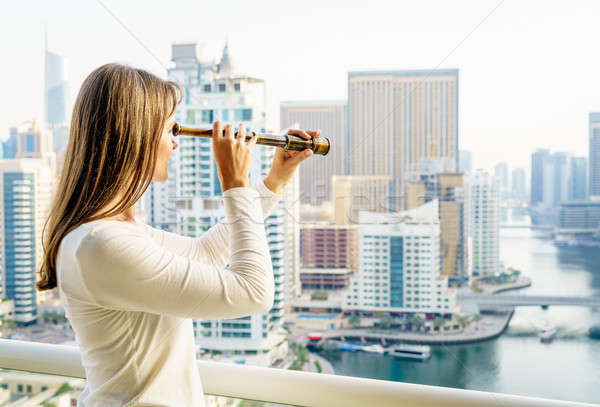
{"points": [[129, 290]]}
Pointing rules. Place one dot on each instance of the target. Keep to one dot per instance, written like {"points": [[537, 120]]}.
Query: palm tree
{"points": [[463, 321], [417, 321], [439, 322], [354, 320], [477, 318], [385, 322]]}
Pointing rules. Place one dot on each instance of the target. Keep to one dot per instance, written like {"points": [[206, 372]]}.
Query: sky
{"points": [[529, 72]]}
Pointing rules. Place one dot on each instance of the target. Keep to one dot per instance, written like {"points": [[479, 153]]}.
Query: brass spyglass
{"points": [[319, 145]]}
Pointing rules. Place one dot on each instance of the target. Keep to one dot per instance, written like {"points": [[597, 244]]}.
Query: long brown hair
{"points": [[118, 120]]}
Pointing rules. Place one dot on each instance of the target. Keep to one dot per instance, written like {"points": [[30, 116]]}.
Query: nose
{"points": [[175, 145]]}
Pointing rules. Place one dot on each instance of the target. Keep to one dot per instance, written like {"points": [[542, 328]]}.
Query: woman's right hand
{"points": [[232, 155]]}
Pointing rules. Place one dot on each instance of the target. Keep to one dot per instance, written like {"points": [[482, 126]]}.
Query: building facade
{"points": [[464, 161], [394, 119], [56, 98], [579, 181], [315, 174], [190, 202], [594, 154], [329, 256], [537, 176], [485, 226], [26, 188], [434, 179], [399, 264], [519, 185]]}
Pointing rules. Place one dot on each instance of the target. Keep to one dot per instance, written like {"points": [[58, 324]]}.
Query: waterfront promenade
{"points": [[489, 327]]}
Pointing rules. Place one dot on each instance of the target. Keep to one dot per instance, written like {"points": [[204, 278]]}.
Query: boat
{"points": [[314, 337], [348, 347], [547, 332], [373, 348], [420, 352]]}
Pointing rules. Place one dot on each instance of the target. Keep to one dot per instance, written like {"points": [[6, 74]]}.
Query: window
{"points": [[244, 115], [207, 87], [221, 87], [236, 87], [207, 116]]}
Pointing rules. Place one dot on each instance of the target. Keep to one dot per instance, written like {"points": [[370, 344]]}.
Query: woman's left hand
{"points": [[285, 162]]}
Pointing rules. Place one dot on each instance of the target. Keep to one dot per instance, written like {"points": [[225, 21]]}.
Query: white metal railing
{"points": [[279, 385]]}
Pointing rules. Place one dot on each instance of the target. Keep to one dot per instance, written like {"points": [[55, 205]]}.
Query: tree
{"points": [[301, 353], [354, 320], [463, 321], [385, 322], [65, 387], [477, 318], [439, 322], [417, 321]]}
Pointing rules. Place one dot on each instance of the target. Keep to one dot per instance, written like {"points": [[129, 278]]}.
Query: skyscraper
{"points": [[501, 172], [519, 184], [537, 176], [315, 174], [579, 179], [432, 180], [216, 91], [26, 183], [464, 161], [396, 118], [56, 98], [594, 154], [485, 224], [557, 179]]}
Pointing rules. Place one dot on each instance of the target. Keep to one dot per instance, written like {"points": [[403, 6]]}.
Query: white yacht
{"points": [[547, 332], [373, 348], [420, 352]]}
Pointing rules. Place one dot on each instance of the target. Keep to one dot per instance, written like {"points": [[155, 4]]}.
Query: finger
{"points": [[252, 141], [298, 132], [314, 133], [228, 131], [298, 158], [216, 134], [241, 133]]}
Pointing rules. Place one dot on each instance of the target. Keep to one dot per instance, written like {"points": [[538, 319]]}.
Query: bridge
{"points": [[525, 226], [494, 300]]}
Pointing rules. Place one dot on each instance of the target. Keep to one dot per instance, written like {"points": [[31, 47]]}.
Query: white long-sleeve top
{"points": [[130, 292]]}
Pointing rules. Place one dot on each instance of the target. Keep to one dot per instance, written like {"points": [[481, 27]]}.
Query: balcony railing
{"points": [[279, 385]]}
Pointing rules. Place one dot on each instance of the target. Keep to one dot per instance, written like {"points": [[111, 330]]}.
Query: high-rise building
{"points": [[216, 91], [485, 224], [434, 179], [315, 174], [537, 176], [399, 264], [29, 140], [594, 154], [26, 184], [579, 219], [557, 179], [56, 98], [329, 256], [578, 179], [352, 193], [519, 185], [501, 172], [464, 161], [397, 118]]}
